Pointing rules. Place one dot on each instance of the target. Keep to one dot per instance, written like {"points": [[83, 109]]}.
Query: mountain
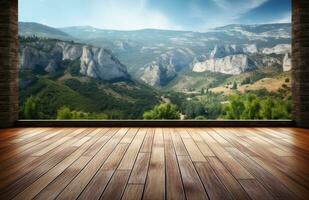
{"points": [[144, 49], [156, 57], [94, 62], [84, 78], [40, 30], [234, 64]]}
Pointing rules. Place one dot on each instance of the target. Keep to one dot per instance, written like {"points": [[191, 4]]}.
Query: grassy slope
{"points": [[271, 83], [196, 81], [122, 100]]}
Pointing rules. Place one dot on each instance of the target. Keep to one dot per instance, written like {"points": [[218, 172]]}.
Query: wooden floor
{"points": [[154, 163]]}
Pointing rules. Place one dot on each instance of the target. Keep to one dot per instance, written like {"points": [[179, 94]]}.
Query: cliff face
{"points": [[226, 59], [165, 67], [287, 62], [94, 62], [235, 64]]}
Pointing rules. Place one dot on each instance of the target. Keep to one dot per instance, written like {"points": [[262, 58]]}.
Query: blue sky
{"points": [[196, 15]]}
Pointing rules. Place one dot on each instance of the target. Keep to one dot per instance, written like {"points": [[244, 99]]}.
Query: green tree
{"points": [[234, 86], [64, 113], [163, 111], [194, 109], [252, 107], [266, 108], [235, 108], [30, 109]]}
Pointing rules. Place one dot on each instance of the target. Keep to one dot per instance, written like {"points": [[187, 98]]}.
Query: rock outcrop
{"points": [[95, 62], [221, 51], [250, 49], [226, 59], [287, 63], [165, 67], [278, 49], [235, 64]]}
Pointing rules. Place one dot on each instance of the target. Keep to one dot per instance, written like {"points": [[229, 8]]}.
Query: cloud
{"points": [[285, 18], [129, 15], [224, 12], [239, 6]]}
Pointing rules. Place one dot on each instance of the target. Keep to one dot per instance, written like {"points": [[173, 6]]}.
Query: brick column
{"points": [[8, 62], [300, 71]]}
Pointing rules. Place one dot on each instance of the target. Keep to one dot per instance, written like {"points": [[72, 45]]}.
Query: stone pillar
{"points": [[300, 61], [8, 62]]}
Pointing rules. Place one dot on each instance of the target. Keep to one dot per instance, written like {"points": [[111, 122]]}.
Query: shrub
{"points": [[163, 111]]}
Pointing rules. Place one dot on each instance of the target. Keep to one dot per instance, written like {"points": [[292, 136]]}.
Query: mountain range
{"points": [[121, 64], [158, 56]]}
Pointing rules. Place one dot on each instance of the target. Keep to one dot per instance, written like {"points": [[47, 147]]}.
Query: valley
{"points": [[88, 73]]}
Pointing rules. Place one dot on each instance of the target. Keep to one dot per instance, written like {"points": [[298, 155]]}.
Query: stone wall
{"points": [[8, 62], [300, 61]]}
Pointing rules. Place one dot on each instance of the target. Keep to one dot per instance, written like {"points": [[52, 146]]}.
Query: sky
{"points": [[193, 15]]}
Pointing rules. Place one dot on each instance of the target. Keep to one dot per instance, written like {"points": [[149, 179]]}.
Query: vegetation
{"points": [[162, 111], [30, 110], [66, 94], [66, 113], [251, 107]]}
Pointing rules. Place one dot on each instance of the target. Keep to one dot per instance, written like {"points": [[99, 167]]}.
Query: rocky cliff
{"points": [[235, 64], [278, 49], [95, 62], [165, 67], [287, 62], [228, 59]]}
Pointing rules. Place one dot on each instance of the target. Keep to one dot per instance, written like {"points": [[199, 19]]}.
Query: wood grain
{"points": [[154, 163]]}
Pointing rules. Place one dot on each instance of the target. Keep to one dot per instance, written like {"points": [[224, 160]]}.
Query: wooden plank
{"points": [[192, 184], [158, 141], [174, 186], [44, 180], [178, 144], [216, 135], [129, 136], [131, 154], [133, 192], [215, 189], [269, 181], [296, 188], [53, 189], [155, 183], [98, 183], [73, 190], [204, 148], [227, 179], [74, 163], [193, 151], [44, 165], [236, 169], [255, 190], [147, 144], [140, 169], [117, 185]]}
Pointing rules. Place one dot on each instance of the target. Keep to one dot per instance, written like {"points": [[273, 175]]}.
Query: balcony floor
{"points": [[154, 163]]}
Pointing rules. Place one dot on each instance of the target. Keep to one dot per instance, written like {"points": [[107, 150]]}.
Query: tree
{"points": [[163, 111], [30, 109], [64, 113], [252, 107], [266, 108], [234, 87], [235, 108], [194, 109]]}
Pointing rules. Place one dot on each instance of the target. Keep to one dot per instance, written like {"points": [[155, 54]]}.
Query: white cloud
{"points": [[286, 18], [128, 15], [228, 12], [239, 6]]}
